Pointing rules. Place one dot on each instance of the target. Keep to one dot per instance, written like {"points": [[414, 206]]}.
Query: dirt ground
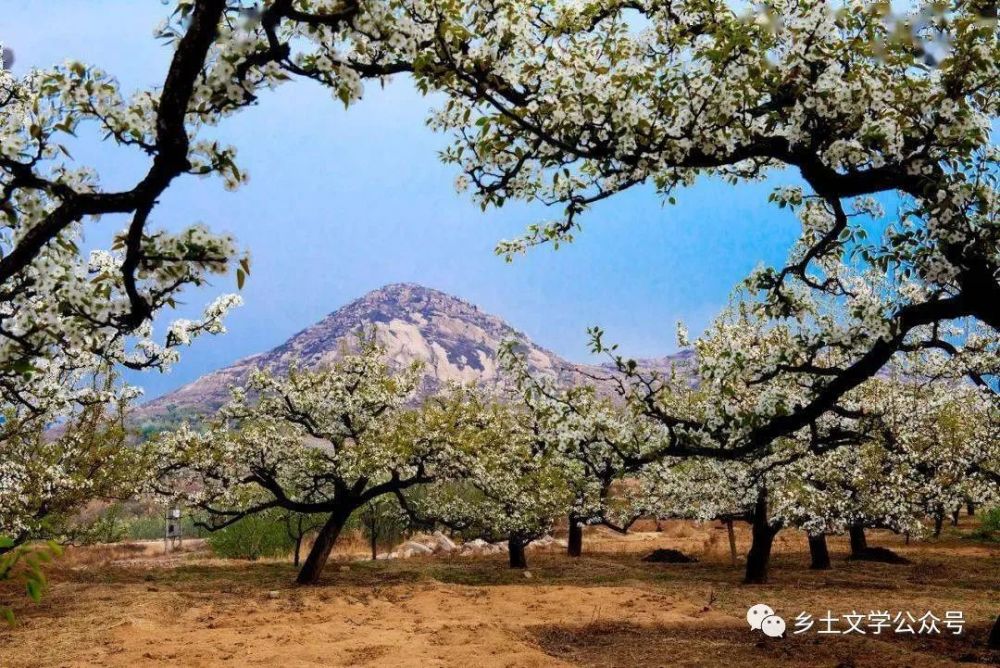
{"points": [[131, 606]]}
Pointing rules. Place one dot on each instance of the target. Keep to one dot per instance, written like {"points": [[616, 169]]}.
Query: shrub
{"points": [[253, 537], [132, 522], [990, 522], [989, 526]]}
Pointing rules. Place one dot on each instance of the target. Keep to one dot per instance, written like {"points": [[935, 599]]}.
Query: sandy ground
{"points": [[131, 606]]}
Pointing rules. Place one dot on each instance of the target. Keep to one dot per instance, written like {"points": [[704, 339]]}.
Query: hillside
{"points": [[456, 341]]}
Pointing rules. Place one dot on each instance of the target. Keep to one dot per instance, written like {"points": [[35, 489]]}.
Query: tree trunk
{"points": [[994, 640], [820, 555], [298, 550], [320, 552], [859, 544], [954, 516], [763, 533], [970, 508], [374, 536], [938, 523], [515, 547], [575, 547], [732, 541]]}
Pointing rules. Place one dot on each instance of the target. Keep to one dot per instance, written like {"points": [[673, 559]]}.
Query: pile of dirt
{"points": [[668, 556], [881, 555]]}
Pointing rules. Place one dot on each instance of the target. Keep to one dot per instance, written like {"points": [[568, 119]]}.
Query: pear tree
{"points": [[851, 104], [597, 443], [316, 442], [504, 486], [48, 472]]}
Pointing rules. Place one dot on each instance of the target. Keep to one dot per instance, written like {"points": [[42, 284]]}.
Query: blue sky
{"points": [[342, 202]]}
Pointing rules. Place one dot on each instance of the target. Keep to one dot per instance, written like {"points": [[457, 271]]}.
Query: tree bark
{"points": [[938, 523], [859, 544], [732, 541], [374, 536], [298, 550], [994, 640], [954, 516], [320, 552], [759, 557], [575, 546], [818, 552], [515, 548], [970, 508]]}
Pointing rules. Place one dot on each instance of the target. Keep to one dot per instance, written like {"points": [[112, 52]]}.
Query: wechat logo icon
{"points": [[761, 617]]}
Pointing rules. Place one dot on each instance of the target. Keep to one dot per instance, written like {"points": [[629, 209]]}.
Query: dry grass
{"points": [[119, 606]]}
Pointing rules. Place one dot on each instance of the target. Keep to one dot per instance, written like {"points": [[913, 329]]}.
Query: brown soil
{"points": [[131, 606]]}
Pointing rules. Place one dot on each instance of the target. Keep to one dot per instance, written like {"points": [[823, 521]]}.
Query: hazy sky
{"points": [[342, 202]]}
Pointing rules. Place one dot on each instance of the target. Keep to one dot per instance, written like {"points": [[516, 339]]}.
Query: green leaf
{"points": [[34, 590], [22, 366], [241, 278]]}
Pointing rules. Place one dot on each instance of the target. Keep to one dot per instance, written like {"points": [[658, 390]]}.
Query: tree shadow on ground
{"points": [[616, 643]]}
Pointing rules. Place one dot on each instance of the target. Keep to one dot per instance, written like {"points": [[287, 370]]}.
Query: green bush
{"points": [[147, 527], [151, 527], [989, 526], [119, 523], [253, 537], [990, 522]]}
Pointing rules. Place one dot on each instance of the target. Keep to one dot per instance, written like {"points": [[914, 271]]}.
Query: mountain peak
{"points": [[407, 290], [455, 340], [408, 296]]}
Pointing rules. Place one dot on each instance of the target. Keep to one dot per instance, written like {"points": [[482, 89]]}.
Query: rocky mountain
{"points": [[456, 341]]}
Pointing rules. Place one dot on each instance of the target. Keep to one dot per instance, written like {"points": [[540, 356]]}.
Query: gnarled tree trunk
{"points": [[859, 544], [575, 540], [515, 548], [818, 552], [759, 557], [320, 552]]}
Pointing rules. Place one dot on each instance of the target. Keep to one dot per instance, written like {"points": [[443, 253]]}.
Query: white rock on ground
{"points": [[443, 544], [414, 549], [544, 541], [475, 548]]}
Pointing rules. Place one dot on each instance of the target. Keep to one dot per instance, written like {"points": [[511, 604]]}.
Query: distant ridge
{"points": [[456, 341]]}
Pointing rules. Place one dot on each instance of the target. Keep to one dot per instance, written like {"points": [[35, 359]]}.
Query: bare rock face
{"points": [[455, 340]]}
